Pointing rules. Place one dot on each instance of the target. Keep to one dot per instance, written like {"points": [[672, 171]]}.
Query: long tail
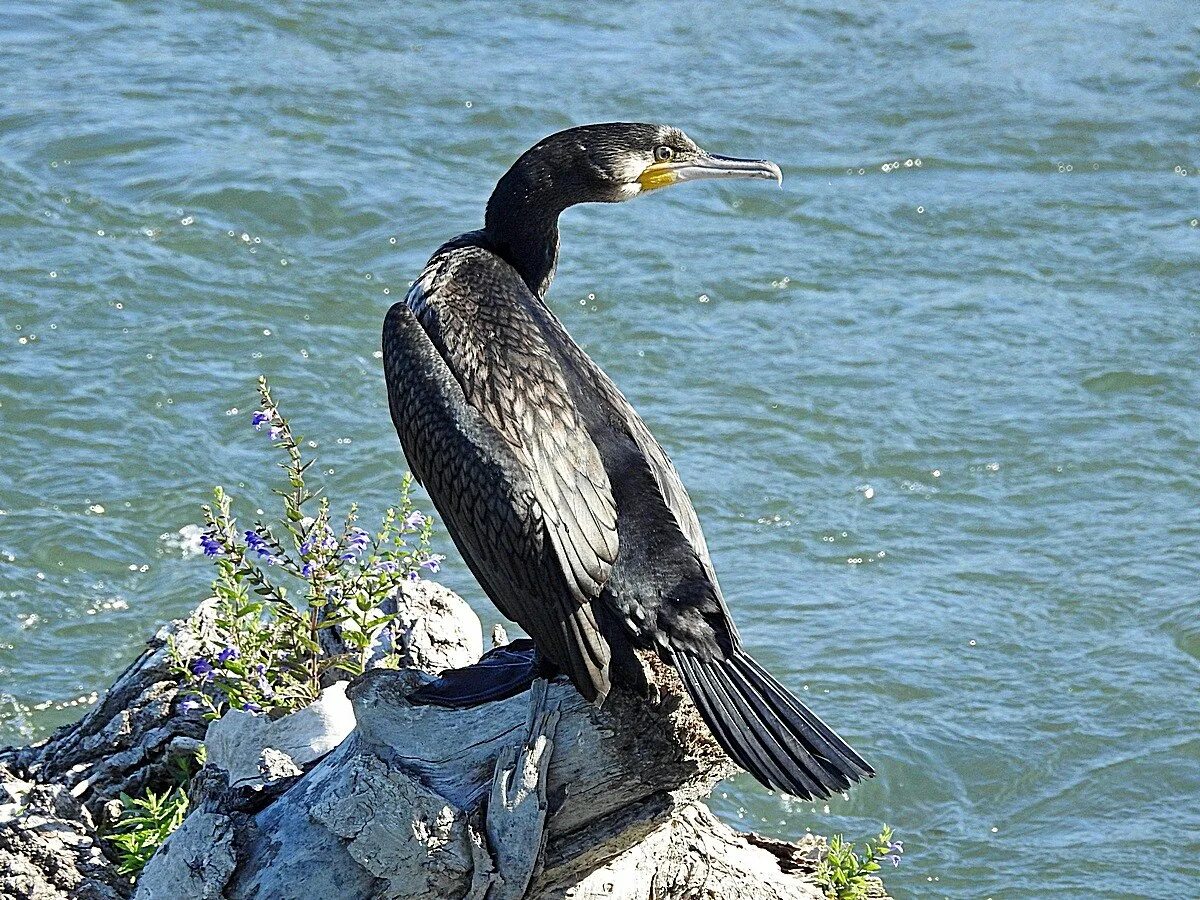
{"points": [[766, 730]]}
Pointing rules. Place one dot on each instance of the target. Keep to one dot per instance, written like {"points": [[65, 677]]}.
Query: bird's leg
{"points": [[502, 672]]}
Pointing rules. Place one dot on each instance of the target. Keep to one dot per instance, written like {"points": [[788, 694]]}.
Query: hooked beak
{"points": [[707, 165]]}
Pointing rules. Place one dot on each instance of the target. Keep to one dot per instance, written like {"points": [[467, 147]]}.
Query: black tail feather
{"points": [[766, 730]]}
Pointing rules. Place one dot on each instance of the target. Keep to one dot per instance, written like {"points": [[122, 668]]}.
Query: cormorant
{"points": [[562, 503]]}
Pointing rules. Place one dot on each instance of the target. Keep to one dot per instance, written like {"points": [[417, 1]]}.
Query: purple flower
{"points": [[414, 576], [276, 431], [306, 547], [414, 519], [202, 669], [385, 565], [187, 704], [892, 852], [433, 562], [227, 654], [259, 419], [255, 542], [251, 707], [210, 545], [306, 570]]}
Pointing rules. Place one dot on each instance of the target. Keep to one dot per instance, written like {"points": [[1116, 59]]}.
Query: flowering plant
{"points": [[253, 646], [845, 875]]}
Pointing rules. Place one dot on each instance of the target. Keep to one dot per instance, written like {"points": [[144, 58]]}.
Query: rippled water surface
{"points": [[939, 419]]}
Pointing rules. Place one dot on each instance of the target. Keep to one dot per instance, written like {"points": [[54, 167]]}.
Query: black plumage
{"points": [[560, 500]]}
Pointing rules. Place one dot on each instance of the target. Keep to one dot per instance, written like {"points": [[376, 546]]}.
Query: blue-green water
{"points": [[939, 420]]}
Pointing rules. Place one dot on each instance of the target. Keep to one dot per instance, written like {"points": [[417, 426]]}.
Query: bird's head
{"points": [[617, 161], [604, 163]]}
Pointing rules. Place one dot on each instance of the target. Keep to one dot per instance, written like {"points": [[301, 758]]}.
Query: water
{"points": [[998, 346]]}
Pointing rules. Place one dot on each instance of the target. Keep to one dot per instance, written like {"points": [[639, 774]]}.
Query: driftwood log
{"points": [[364, 795]]}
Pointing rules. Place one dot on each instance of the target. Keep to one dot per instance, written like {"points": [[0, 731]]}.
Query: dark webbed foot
{"points": [[502, 672]]}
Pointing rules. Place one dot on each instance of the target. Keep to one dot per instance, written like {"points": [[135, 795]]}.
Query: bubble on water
{"points": [[97, 509], [849, 171], [283, 262], [703, 298], [591, 296], [971, 643], [187, 220], [862, 171], [1069, 167], [53, 326], [936, 473], [258, 240], [232, 411], [1195, 223], [256, 355], [1095, 167], [994, 829], [1061, 167], [245, 237], [54, 165], [467, 104], [119, 305], [23, 340], [387, 290], [231, 234], [908, 164], [267, 332], [368, 276], [391, 240], [378, 354], [917, 162], [100, 232], [303, 353], [993, 467], [920, 210], [53, 274]]}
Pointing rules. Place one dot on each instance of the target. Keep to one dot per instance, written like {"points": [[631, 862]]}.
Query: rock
{"points": [[251, 748], [195, 862], [365, 796], [50, 851], [436, 629]]}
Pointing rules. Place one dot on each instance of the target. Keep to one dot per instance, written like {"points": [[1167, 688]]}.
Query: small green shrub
{"points": [[254, 647], [147, 821], [845, 875]]}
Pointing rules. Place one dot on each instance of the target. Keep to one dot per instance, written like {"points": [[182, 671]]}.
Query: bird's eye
{"points": [[662, 154]]}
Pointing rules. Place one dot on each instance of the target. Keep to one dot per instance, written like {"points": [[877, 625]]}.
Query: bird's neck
{"points": [[522, 225]]}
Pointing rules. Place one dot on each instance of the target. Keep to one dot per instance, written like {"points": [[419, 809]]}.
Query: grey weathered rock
{"points": [[252, 748], [538, 796]]}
